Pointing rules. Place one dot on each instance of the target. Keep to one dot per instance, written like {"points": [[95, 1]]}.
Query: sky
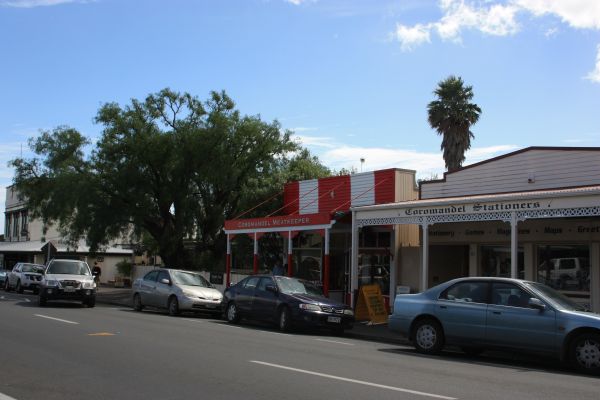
{"points": [[351, 78]]}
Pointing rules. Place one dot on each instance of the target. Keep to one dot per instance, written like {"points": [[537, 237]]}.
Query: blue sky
{"points": [[351, 78]]}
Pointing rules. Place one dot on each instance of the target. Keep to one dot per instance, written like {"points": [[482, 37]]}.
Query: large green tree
{"points": [[452, 114], [166, 171]]}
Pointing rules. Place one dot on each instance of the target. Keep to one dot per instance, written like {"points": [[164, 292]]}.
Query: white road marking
{"points": [[339, 378], [27, 300], [56, 319], [5, 397], [335, 341]]}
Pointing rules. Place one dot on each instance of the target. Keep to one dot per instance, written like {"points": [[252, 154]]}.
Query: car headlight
{"points": [[309, 307], [348, 312], [89, 285], [52, 283]]}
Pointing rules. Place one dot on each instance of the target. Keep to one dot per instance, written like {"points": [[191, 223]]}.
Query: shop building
{"points": [[25, 241], [531, 214], [313, 237]]}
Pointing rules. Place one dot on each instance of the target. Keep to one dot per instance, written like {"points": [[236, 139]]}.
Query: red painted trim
{"points": [[228, 270], [255, 264], [291, 197], [326, 275], [290, 271]]}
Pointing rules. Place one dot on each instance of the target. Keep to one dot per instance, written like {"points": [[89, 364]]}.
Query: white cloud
{"points": [[314, 141], [337, 156], [582, 14], [299, 2], [412, 37], [499, 18], [37, 3], [594, 75]]}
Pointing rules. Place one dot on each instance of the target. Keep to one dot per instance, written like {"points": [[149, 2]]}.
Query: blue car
{"points": [[480, 313], [288, 302]]}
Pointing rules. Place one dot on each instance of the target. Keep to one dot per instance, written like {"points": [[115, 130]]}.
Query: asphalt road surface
{"points": [[64, 351]]}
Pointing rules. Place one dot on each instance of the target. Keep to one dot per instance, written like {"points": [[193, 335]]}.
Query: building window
{"points": [[15, 225], [565, 267], [7, 225], [495, 261], [23, 223]]}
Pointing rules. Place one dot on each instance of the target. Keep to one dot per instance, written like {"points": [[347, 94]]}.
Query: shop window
{"points": [[564, 267], [374, 269], [495, 261]]}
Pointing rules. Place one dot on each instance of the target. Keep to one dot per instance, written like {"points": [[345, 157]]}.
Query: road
{"points": [[64, 351]]}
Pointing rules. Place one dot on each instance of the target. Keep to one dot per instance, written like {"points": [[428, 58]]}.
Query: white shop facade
{"points": [[533, 214]]}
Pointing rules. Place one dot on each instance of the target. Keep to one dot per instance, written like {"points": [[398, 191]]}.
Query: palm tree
{"points": [[452, 115]]}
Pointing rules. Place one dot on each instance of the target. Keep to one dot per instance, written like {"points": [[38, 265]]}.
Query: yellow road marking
{"points": [[101, 334]]}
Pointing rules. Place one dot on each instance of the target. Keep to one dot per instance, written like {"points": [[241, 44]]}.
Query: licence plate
{"points": [[336, 320], [69, 289]]}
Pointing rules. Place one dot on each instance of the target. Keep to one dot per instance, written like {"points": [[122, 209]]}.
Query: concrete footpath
{"points": [[379, 333]]}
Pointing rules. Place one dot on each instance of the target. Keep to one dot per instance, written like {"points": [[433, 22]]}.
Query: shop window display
{"points": [[495, 261], [564, 267]]}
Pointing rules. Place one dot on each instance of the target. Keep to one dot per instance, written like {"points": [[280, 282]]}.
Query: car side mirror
{"points": [[537, 304], [271, 288], [165, 281]]}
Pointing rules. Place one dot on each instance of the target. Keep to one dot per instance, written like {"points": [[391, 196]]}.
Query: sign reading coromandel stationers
{"points": [[477, 208], [278, 222]]}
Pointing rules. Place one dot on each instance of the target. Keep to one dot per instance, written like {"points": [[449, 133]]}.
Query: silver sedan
{"points": [[176, 291]]}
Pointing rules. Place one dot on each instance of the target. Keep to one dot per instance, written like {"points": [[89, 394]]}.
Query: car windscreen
{"points": [[69, 268], [32, 268], [558, 299], [189, 279], [296, 286]]}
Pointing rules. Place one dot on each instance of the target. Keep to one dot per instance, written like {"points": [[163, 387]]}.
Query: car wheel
{"points": [[472, 351], [284, 319], [232, 314], [36, 291], [137, 303], [428, 336], [91, 303], [19, 288], [41, 301], [173, 306], [585, 353]]}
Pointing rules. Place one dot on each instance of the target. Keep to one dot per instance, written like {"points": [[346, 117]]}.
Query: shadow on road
{"points": [[498, 359]]}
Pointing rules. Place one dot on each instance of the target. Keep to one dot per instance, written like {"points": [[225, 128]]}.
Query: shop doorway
{"points": [[447, 262]]}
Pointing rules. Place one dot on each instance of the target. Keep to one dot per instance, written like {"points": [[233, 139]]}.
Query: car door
{"points": [[264, 303], [512, 323], [462, 310], [245, 295], [162, 290], [13, 277], [147, 288]]}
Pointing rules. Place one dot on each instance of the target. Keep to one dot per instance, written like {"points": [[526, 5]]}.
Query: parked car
{"points": [[176, 290], [3, 277], [571, 273], [24, 276], [480, 313], [287, 301], [68, 280]]}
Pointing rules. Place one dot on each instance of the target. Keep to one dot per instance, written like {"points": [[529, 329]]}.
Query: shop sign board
{"points": [[370, 305], [279, 222]]}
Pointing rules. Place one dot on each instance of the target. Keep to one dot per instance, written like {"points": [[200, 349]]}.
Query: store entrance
{"points": [[447, 262]]}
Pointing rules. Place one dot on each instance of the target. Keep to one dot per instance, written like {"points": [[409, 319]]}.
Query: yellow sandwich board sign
{"points": [[370, 305]]}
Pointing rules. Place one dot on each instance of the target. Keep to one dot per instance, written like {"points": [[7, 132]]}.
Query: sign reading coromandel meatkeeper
{"points": [[279, 221], [476, 208]]}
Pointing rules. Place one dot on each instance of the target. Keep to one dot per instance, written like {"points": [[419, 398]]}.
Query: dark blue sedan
{"points": [[289, 302], [480, 313]]}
